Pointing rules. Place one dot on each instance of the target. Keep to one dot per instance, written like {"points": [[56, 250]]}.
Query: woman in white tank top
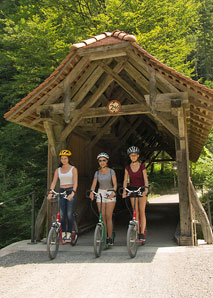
{"points": [[68, 176]]}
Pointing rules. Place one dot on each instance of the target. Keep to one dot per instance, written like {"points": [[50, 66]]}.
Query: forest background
{"points": [[36, 35]]}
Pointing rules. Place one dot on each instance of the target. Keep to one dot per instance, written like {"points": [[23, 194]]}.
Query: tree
{"points": [[204, 46], [202, 170]]}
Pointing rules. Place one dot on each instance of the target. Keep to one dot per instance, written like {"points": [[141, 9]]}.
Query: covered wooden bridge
{"points": [[109, 94]]}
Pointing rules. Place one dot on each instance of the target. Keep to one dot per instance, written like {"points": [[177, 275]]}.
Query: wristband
{"points": [[73, 191]]}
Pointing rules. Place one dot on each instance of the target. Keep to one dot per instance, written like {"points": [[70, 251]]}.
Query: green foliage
{"points": [[204, 45], [15, 220], [204, 199], [162, 182], [23, 168], [201, 171], [23, 159]]}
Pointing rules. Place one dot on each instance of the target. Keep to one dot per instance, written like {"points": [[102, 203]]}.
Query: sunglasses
{"points": [[102, 160]]}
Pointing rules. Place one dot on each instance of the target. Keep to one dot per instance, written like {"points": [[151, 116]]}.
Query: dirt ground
{"points": [[160, 269]]}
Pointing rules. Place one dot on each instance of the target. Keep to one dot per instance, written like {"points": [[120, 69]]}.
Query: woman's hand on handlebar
{"points": [[70, 197], [111, 196], [50, 195], [91, 196], [124, 194], [146, 191]]}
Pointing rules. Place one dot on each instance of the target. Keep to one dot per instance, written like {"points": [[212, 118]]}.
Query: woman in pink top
{"points": [[136, 172]]}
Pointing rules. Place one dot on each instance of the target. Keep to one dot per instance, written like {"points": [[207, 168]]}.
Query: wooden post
{"points": [[53, 159], [202, 216], [50, 173], [182, 159]]}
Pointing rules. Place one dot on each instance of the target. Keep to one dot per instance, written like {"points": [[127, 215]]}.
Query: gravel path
{"points": [[155, 272], [161, 268]]}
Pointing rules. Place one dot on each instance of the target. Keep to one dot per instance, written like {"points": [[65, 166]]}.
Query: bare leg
{"points": [[136, 208], [109, 211], [103, 212]]}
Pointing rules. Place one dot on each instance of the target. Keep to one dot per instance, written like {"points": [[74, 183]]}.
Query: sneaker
{"points": [[141, 237], [69, 236], [64, 237], [110, 241]]}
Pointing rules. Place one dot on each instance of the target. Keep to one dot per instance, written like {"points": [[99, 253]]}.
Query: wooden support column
{"points": [[202, 216], [152, 89], [182, 158], [53, 161]]}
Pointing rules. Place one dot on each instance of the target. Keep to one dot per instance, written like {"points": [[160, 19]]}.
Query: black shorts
{"points": [[134, 188]]}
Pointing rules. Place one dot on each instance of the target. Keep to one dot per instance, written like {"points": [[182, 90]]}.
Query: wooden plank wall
{"points": [[84, 159]]}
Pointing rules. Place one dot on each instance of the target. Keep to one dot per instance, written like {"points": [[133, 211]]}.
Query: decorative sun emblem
{"points": [[114, 106]]}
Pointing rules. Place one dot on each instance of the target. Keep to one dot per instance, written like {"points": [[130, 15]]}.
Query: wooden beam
{"points": [[72, 58], [167, 124], [182, 160], [125, 110], [164, 160], [138, 98], [165, 78], [55, 92], [202, 216], [34, 126], [75, 72], [152, 88], [102, 132], [137, 76], [51, 137], [126, 135], [67, 99], [139, 60], [123, 83], [89, 83], [114, 50], [107, 54], [47, 115], [83, 78], [166, 101], [131, 109], [57, 108], [102, 87]]}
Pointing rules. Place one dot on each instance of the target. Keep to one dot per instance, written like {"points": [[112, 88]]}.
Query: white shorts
{"points": [[105, 198]]}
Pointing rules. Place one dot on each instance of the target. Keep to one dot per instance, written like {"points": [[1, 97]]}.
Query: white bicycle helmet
{"points": [[133, 149], [103, 154]]}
